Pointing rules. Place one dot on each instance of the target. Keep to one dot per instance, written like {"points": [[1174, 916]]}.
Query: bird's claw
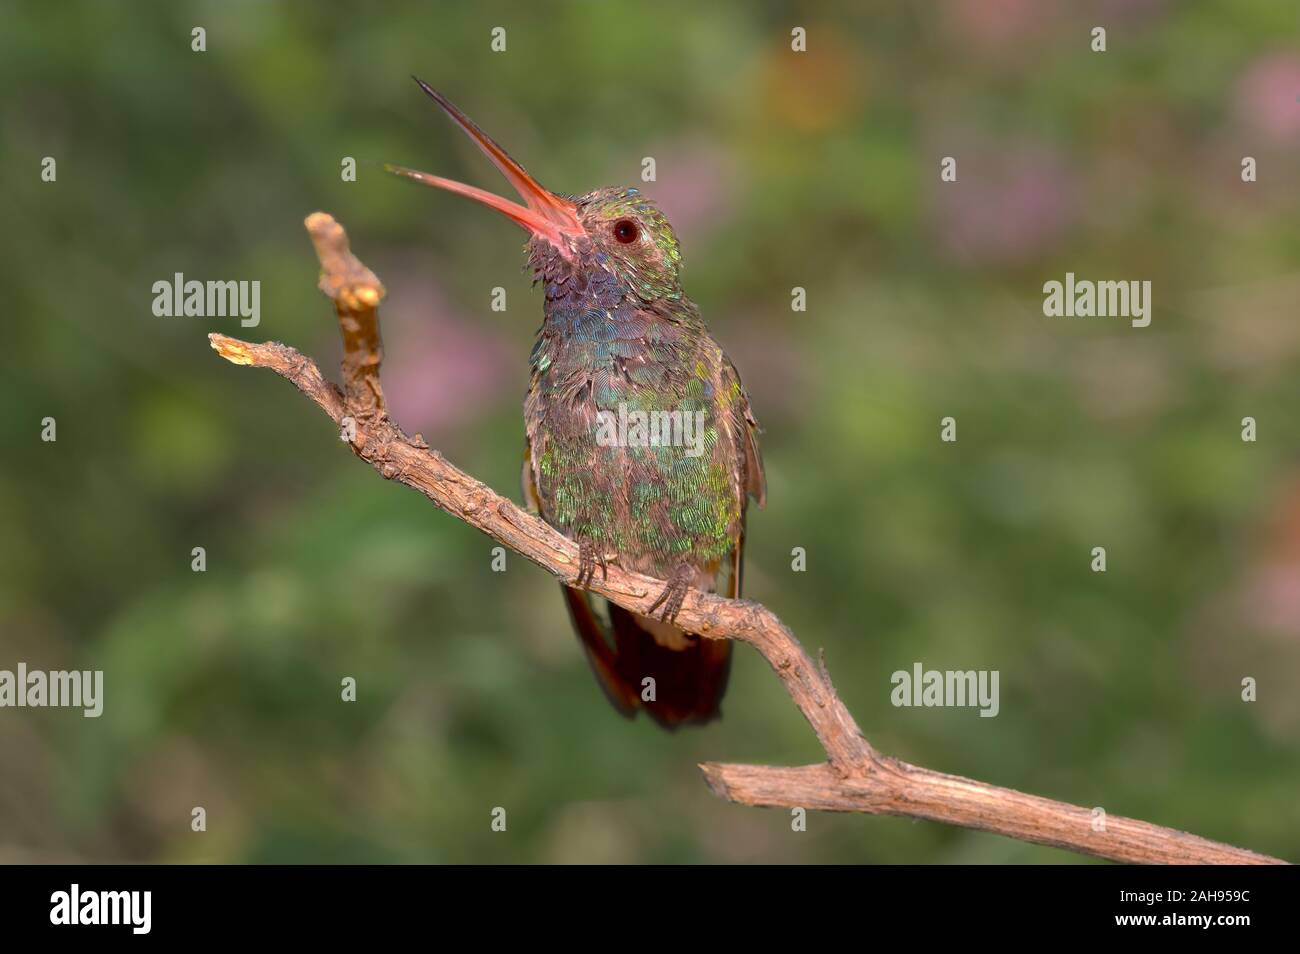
{"points": [[673, 596], [588, 559]]}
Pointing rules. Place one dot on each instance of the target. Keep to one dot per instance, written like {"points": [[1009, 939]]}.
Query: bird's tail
{"points": [[688, 673]]}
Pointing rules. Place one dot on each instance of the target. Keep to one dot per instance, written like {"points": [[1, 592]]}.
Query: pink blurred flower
{"points": [[443, 368], [695, 187], [1272, 588], [1273, 598], [1010, 205], [993, 25], [1268, 96]]}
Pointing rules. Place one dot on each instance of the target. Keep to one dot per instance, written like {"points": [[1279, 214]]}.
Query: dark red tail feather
{"points": [[688, 682]]}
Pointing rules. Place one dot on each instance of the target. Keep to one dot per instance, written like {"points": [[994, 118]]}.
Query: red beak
{"points": [[544, 213]]}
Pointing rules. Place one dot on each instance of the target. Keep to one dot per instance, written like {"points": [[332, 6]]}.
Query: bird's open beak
{"points": [[543, 213]]}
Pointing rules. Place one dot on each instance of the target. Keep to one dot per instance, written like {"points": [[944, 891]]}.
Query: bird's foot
{"points": [[589, 557], [673, 595]]}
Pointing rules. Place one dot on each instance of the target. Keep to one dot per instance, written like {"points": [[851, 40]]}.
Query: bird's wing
{"points": [[528, 479], [746, 426], [752, 482]]}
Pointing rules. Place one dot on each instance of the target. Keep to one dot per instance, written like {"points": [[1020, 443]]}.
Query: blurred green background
{"points": [[818, 170]]}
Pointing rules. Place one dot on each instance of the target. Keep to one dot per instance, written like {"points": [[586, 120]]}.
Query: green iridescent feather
{"points": [[620, 335]]}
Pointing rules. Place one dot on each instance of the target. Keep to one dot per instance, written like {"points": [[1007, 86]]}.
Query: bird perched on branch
{"points": [[640, 443]]}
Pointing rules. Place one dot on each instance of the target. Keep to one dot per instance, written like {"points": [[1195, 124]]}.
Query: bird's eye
{"points": [[625, 231]]}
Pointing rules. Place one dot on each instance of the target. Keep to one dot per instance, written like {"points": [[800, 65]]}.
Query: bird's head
{"points": [[616, 230]]}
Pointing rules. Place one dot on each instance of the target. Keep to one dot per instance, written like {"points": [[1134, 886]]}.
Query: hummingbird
{"points": [[640, 444]]}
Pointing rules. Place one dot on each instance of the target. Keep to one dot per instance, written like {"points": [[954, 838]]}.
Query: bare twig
{"points": [[855, 777]]}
